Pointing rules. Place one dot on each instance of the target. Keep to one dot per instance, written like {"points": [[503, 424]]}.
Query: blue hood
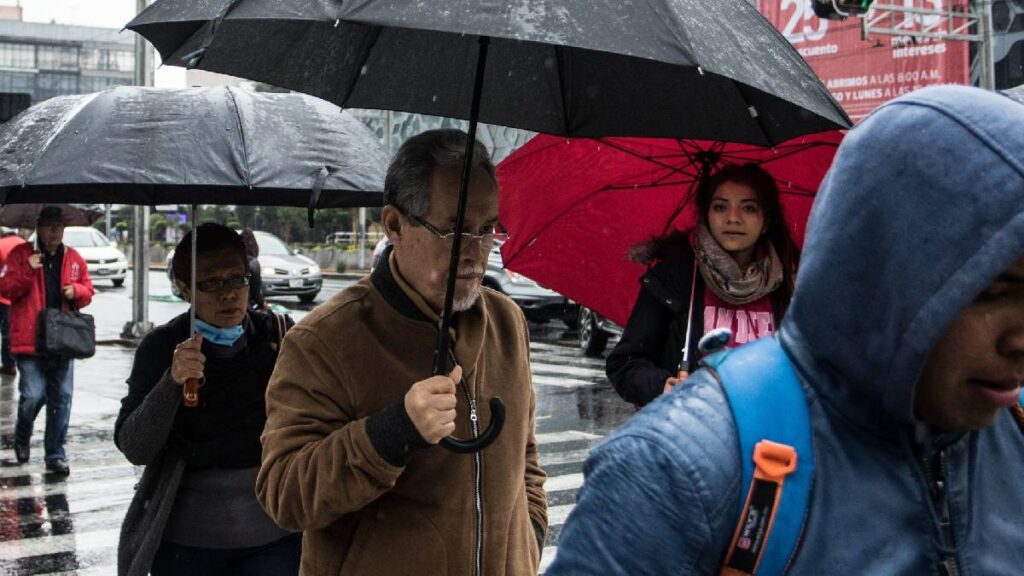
{"points": [[887, 265]]}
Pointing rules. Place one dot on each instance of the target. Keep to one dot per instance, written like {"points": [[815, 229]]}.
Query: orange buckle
{"points": [[773, 461]]}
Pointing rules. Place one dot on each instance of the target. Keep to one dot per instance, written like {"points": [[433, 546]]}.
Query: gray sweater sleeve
{"points": [[142, 434]]}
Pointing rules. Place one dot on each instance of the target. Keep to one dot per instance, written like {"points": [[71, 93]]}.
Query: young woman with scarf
{"points": [[736, 269], [195, 509]]}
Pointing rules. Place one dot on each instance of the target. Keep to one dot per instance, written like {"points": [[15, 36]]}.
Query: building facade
{"points": [[47, 60]]}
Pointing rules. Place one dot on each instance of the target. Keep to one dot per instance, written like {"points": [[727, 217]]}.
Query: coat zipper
{"points": [[477, 485], [935, 469]]}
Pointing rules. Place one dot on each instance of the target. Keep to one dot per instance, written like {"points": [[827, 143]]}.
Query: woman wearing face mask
{"points": [[735, 270], [195, 510]]}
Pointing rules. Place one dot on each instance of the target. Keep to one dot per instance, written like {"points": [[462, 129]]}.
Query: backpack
{"points": [[777, 453], [761, 384]]}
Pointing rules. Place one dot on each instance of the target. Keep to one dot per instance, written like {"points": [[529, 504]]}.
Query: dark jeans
{"points": [[278, 558], [45, 380], [5, 336]]}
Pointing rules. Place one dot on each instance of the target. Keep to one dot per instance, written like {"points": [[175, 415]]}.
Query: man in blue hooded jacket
{"points": [[907, 331]]}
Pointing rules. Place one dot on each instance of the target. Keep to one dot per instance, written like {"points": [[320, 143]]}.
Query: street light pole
{"points": [[140, 324]]}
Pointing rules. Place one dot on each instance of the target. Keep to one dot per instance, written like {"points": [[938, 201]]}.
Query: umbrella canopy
{"points": [[24, 215], [702, 68], [132, 145], [712, 69], [575, 208]]}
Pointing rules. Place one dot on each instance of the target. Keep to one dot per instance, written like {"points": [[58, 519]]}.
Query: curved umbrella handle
{"points": [[484, 440]]}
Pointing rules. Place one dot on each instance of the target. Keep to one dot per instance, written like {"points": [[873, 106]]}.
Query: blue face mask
{"points": [[219, 336]]}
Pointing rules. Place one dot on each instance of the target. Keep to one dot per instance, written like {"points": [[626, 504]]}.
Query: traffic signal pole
{"points": [[140, 324]]}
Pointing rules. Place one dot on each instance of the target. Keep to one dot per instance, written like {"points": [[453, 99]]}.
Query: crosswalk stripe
{"points": [[547, 557], [564, 436], [569, 370], [80, 541], [561, 382], [564, 482], [563, 457]]}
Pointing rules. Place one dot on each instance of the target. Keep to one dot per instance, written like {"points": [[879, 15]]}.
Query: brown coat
{"points": [[349, 359]]}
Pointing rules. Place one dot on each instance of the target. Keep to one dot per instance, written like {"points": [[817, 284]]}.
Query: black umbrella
{"points": [[25, 215], [132, 145], [709, 69], [144, 146]]}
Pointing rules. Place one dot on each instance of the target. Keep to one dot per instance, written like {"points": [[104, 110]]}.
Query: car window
{"points": [[84, 238], [271, 245]]}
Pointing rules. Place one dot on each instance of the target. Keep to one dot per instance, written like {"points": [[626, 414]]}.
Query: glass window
{"points": [[57, 58], [122, 60], [84, 238], [271, 245], [17, 55], [17, 82]]}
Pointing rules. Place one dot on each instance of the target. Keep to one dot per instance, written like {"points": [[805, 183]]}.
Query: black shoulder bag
{"points": [[66, 333]]}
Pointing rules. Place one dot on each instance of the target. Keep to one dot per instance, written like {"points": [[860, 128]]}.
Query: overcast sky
{"points": [[102, 13]]}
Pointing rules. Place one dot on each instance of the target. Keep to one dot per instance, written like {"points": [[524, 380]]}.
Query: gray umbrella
{"points": [[131, 145], [708, 69]]}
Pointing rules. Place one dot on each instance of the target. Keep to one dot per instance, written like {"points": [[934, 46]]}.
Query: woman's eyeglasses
{"points": [[487, 235], [222, 284]]}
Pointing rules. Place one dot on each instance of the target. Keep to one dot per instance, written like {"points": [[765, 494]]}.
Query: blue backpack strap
{"points": [[768, 403]]}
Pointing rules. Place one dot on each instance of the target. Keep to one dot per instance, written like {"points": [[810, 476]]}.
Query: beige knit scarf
{"points": [[723, 275]]}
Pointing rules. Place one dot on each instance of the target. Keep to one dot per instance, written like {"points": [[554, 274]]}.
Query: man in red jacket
{"points": [[50, 276]]}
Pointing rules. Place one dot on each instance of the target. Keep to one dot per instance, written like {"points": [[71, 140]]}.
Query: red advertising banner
{"points": [[863, 74]]}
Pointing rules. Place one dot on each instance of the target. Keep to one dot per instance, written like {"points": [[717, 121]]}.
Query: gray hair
{"points": [[406, 186]]}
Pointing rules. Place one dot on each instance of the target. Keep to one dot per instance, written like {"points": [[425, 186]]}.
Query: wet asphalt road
{"points": [[52, 525]]}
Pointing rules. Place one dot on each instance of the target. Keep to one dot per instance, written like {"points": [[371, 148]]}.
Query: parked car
{"points": [[284, 272], [102, 257], [537, 302], [595, 331]]}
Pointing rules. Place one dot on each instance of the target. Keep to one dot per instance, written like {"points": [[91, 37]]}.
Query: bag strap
{"points": [[774, 429], [282, 327]]}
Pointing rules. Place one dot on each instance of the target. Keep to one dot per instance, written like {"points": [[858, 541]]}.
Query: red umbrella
{"points": [[575, 207]]}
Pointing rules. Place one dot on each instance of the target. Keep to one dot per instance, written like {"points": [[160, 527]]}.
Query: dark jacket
{"points": [[147, 431], [651, 345]]}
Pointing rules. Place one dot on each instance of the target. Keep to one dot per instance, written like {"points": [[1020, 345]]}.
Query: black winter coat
{"points": [[651, 345]]}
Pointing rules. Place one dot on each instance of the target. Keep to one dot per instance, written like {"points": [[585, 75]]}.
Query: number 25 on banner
{"points": [[802, 24]]}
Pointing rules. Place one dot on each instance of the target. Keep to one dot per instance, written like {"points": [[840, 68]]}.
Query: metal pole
{"points": [[986, 60], [140, 323], [107, 220]]}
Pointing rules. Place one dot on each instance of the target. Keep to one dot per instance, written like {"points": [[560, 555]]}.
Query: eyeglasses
{"points": [[222, 284], [487, 236]]}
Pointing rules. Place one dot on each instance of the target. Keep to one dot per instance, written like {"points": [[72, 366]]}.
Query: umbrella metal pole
{"points": [[441, 352], [192, 274]]}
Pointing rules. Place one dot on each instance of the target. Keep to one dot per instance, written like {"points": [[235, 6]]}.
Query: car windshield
{"points": [[84, 238], [271, 245]]}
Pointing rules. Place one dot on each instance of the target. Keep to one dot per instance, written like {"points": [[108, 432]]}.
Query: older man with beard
{"points": [[349, 449]]}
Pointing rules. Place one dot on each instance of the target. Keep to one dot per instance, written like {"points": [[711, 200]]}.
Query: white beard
{"points": [[466, 302], [463, 303]]}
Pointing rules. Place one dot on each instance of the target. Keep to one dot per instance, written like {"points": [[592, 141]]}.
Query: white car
{"points": [[102, 258]]}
